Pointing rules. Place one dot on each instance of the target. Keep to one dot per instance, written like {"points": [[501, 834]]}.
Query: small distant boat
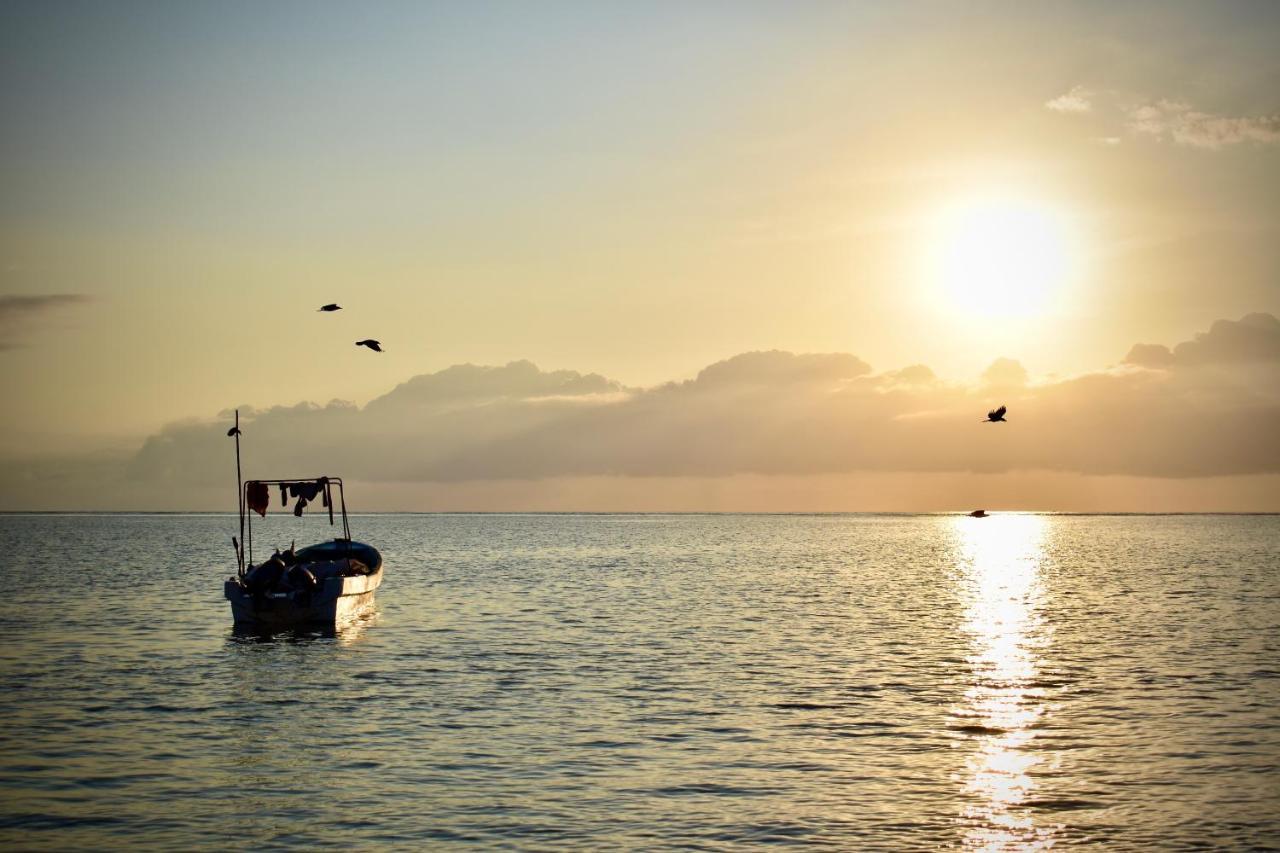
{"points": [[978, 513], [321, 585]]}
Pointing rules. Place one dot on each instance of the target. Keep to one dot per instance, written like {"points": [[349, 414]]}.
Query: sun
{"points": [[1000, 257]]}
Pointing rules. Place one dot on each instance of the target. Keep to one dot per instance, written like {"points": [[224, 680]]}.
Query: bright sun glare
{"points": [[997, 257]]}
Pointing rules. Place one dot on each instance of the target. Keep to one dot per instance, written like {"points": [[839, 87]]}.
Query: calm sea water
{"points": [[695, 682]]}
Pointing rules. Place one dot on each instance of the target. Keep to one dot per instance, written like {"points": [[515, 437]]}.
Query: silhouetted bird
{"points": [[996, 416], [332, 306], [233, 431], [371, 344]]}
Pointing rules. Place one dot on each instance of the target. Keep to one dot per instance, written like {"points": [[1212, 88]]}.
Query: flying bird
{"points": [[996, 416], [332, 306], [371, 344]]}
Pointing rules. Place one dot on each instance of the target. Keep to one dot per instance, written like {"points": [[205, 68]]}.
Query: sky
{"points": [[686, 256]]}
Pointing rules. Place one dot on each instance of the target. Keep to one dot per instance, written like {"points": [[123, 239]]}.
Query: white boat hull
{"points": [[338, 600]]}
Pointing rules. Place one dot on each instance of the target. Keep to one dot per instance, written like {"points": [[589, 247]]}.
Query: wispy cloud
{"points": [[1179, 122], [1077, 100], [1168, 120], [18, 311]]}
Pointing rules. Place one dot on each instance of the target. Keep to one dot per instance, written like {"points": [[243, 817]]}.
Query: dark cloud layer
{"points": [[1207, 407], [17, 311]]}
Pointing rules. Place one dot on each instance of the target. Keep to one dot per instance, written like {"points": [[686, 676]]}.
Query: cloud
{"points": [[1156, 356], [469, 384], [1179, 122], [916, 374], [1255, 339], [17, 312], [1077, 100], [1208, 407], [1005, 373], [776, 368], [1166, 119]]}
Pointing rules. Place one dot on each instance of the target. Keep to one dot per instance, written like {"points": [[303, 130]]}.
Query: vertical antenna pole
{"points": [[239, 500], [346, 528]]}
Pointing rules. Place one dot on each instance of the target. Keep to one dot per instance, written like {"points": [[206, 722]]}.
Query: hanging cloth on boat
{"points": [[306, 493], [308, 490], [284, 494], [257, 496]]}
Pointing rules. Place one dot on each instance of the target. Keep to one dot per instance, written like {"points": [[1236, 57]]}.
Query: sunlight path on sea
{"points": [[998, 564]]}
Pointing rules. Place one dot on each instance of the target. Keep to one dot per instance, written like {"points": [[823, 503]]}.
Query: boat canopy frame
{"points": [[246, 515]]}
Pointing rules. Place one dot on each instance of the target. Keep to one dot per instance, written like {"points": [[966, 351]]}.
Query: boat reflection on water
{"points": [[998, 571], [347, 633]]}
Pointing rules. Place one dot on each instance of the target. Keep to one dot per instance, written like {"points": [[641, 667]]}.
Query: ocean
{"points": [[696, 682]]}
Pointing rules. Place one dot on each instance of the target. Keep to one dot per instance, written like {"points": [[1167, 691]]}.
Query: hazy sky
{"points": [[640, 191]]}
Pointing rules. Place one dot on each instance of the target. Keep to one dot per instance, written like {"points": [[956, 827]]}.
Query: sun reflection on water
{"points": [[998, 564]]}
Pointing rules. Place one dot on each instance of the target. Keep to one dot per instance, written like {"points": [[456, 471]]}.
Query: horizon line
{"points": [[955, 512]]}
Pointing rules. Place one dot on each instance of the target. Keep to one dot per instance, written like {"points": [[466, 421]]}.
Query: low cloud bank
{"points": [[1207, 407], [516, 437]]}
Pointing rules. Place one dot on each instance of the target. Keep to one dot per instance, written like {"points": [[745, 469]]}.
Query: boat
{"points": [[321, 585], [978, 513]]}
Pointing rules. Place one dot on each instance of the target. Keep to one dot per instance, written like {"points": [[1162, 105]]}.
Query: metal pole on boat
{"points": [[346, 528], [239, 501]]}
